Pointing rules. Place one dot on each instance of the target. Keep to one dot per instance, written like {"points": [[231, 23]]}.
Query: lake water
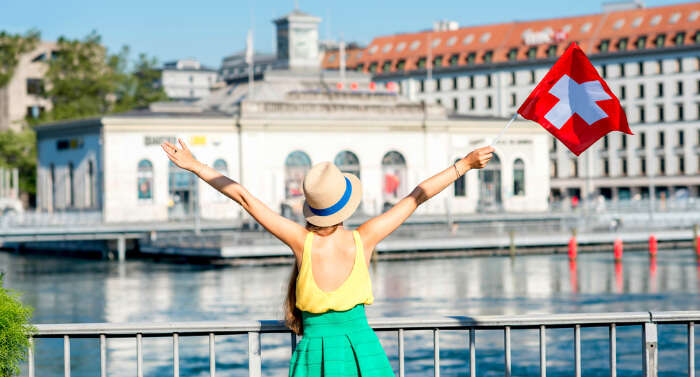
{"points": [[71, 290]]}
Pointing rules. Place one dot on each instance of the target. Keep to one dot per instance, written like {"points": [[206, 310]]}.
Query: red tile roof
{"points": [[500, 40]]}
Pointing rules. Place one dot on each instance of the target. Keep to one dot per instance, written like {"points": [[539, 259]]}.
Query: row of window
{"points": [[69, 183], [641, 140], [177, 177], [642, 171], [513, 54], [660, 90]]}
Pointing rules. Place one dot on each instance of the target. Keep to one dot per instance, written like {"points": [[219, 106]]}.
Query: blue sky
{"points": [[210, 29]]}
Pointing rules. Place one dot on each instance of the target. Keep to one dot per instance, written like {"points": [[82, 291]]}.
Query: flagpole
{"points": [[503, 130]]}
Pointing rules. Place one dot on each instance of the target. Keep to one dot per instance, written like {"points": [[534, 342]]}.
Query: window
{"points": [[604, 71], [623, 166], [70, 185], [641, 114], [552, 51], [401, 65], [488, 56], [533, 77], [606, 167], [191, 78], [553, 168], [662, 166], [553, 147], [437, 62], [421, 84], [679, 65], [513, 99], [460, 185], [296, 165], [641, 42], [373, 66], [144, 180], [455, 104], [623, 141], [681, 165], [679, 39], [90, 185], [622, 44], [606, 142], [438, 85], [642, 166], [519, 177], [532, 53], [604, 45], [622, 69], [472, 103], [489, 102], [394, 172], [660, 40], [623, 92], [386, 67], [660, 110], [641, 91], [35, 87], [513, 78], [661, 140], [660, 65], [471, 82], [660, 90], [640, 68], [679, 88], [471, 58], [679, 112], [360, 67], [348, 162], [438, 101], [489, 81], [642, 140], [513, 54], [454, 60], [574, 168], [454, 83], [221, 166], [681, 138]]}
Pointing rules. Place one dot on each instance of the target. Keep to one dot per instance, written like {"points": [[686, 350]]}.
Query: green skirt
{"points": [[339, 344]]}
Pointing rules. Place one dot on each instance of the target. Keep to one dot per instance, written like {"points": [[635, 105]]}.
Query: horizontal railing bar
{"points": [[379, 324]]}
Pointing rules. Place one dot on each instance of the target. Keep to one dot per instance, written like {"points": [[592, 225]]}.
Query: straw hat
{"points": [[331, 196]]}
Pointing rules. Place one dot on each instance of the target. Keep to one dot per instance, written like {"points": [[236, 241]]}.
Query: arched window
{"points": [[145, 180], [221, 166], [348, 162], [490, 186], [184, 193], [519, 177], [394, 178], [460, 185], [296, 165]]}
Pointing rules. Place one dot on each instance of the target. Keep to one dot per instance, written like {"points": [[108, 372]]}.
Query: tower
{"points": [[297, 41]]}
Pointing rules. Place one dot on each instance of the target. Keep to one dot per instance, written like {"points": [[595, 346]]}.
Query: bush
{"points": [[15, 329]]}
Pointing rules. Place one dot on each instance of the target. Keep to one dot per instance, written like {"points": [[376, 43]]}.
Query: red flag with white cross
{"points": [[574, 103]]}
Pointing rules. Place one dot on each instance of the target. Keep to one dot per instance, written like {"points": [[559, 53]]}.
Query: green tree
{"points": [[18, 150], [142, 85], [15, 330], [11, 47]]}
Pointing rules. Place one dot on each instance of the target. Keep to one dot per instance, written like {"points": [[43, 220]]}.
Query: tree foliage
{"points": [[15, 329], [18, 150], [12, 46]]}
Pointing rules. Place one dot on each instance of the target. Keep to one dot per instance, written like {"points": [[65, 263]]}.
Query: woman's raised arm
{"points": [[284, 229], [378, 228]]}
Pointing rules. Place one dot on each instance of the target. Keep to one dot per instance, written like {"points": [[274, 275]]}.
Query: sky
{"points": [[211, 29]]}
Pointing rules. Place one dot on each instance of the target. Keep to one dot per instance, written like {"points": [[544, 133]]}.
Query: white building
{"points": [[24, 96], [187, 79], [268, 136], [650, 57]]}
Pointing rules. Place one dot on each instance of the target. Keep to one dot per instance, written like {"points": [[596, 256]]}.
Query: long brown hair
{"points": [[292, 314]]}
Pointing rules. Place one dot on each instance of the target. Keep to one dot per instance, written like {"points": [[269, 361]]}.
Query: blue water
{"points": [[71, 290]]}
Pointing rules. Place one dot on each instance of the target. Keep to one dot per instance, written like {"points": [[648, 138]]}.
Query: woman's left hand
{"points": [[181, 157]]}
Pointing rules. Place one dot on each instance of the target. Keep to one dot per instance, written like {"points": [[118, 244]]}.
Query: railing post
{"points": [[212, 355], [121, 248], [401, 351], [506, 344], [577, 350], [254, 356], [691, 349], [30, 357], [436, 350], [472, 352], [543, 352], [176, 355], [650, 352], [103, 355], [139, 355], [66, 356], [613, 350]]}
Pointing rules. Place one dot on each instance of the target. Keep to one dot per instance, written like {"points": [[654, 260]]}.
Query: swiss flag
{"points": [[574, 103]]}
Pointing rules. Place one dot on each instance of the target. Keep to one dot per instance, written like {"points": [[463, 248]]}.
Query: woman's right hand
{"points": [[478, 158]]}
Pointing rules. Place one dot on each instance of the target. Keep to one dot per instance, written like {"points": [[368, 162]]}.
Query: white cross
{"points": [[576, 98]]}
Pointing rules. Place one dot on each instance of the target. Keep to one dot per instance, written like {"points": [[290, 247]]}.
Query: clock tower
{"points": [[297, 41]]}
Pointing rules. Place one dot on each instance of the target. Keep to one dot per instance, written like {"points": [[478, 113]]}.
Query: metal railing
{"points": [[253, 329]]}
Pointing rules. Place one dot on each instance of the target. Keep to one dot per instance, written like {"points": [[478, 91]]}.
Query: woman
{"points": [[330, 283]]}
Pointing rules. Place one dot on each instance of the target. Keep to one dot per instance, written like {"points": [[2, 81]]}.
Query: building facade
{"points": [[268, 136], [187, 80], [650, 58], [24, 96]]}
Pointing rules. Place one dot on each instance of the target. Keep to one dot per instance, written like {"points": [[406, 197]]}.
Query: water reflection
{"points": [[75, 290]]}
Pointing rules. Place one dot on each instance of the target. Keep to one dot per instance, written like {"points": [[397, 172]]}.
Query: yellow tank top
{"points": [[356, 289]]}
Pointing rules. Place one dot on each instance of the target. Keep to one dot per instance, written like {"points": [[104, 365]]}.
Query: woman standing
{"points": [[330, 284]]}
